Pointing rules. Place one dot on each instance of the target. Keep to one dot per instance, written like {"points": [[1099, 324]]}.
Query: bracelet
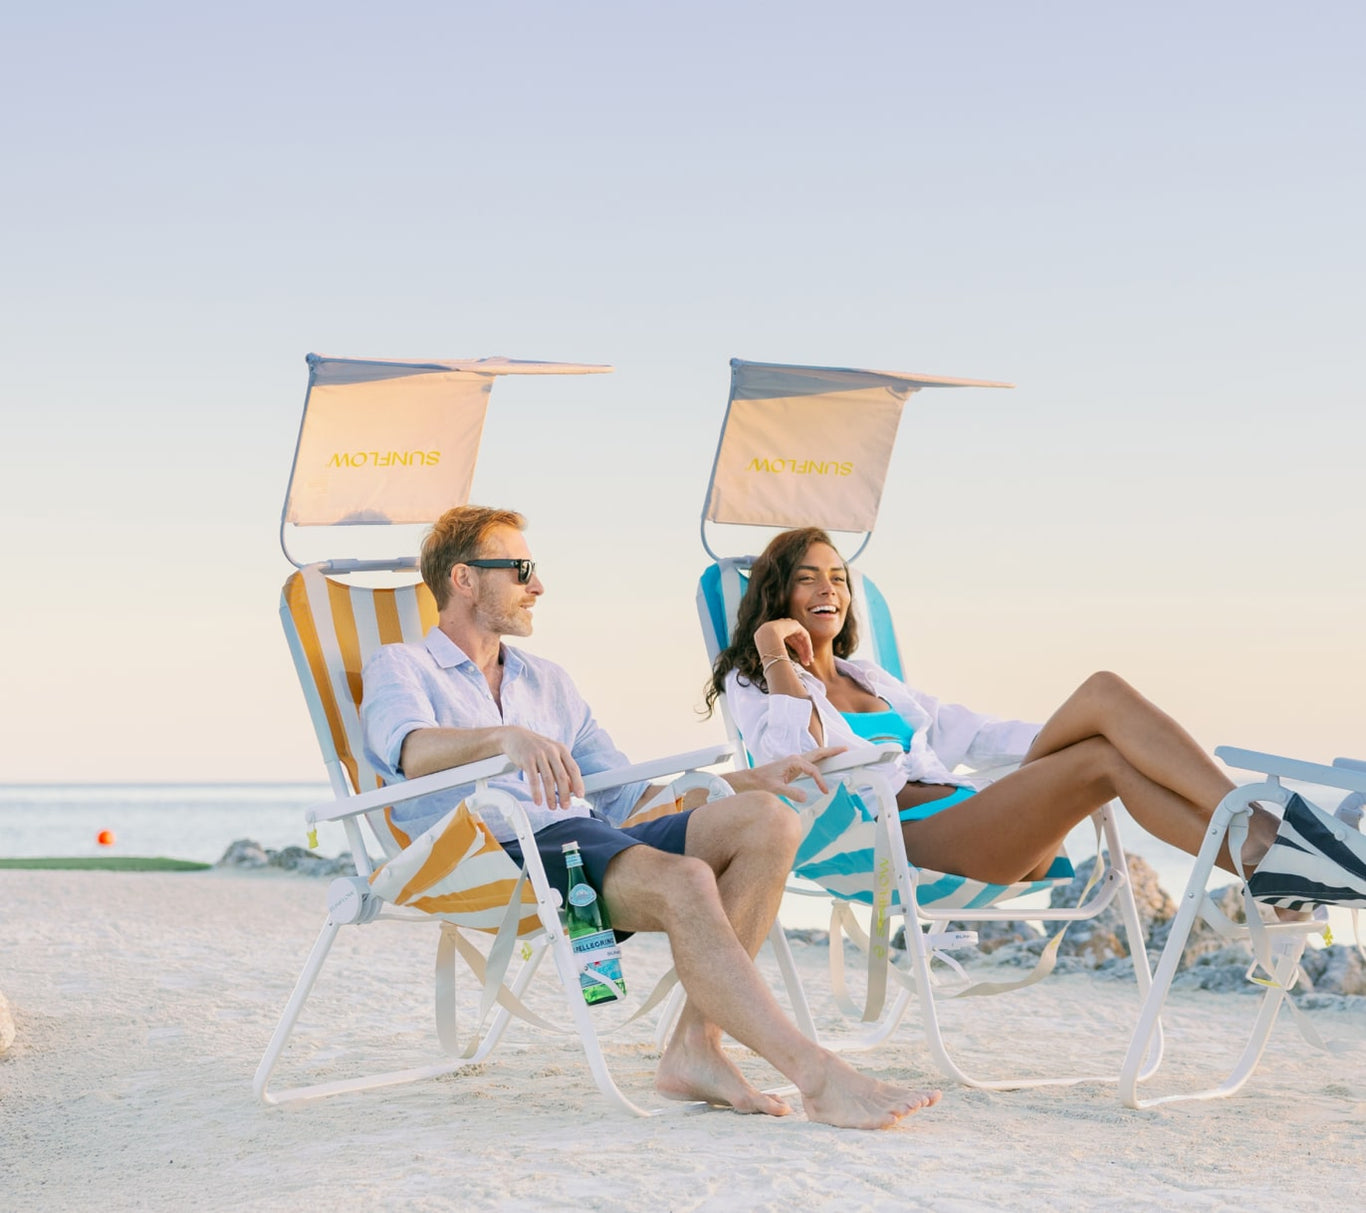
{"points": [[774, 661]]}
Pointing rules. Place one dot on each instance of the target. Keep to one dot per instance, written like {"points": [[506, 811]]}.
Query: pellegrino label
{"points": [[384, 459], [597, 953], [802, 467]]}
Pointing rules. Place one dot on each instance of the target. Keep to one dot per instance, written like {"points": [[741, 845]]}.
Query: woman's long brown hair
{"points": [[770, 586]]}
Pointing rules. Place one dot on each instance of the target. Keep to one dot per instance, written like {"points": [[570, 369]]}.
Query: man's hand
{"points": [[777, 777], [551, 773]]}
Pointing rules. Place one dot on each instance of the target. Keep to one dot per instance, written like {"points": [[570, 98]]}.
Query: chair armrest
{"points": [[860, 757], [1337, 776], [409, 789], [644, 772], [489, 768], [1352, 764]]}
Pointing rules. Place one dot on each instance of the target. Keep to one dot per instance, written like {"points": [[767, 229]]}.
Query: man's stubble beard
{"points": [[495, 615]]}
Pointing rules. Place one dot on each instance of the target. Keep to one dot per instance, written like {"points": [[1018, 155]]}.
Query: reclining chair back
{"points": [[838, 850], [332, 629], [385, 447]]}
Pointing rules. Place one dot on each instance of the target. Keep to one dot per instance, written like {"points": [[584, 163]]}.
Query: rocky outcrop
{"points": [[1102, 939], [1330, 976], [1335, 970], [246, 853]]}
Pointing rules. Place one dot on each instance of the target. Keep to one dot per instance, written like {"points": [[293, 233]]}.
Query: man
{"points": [[709, 876]]}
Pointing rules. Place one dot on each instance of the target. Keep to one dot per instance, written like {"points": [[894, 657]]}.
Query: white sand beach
{"points": [[143, 1002]]}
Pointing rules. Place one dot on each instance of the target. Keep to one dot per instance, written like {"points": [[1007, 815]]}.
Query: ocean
{"points": [[199, 821], [178, 821]]}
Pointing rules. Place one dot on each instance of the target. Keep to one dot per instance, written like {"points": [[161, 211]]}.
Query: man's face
{"points": [[502, 606]]}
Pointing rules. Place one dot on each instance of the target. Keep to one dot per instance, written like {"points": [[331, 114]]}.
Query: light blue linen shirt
{"points": [[435, 685]]}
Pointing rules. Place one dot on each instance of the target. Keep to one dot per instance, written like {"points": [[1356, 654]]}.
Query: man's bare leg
{"points": [[748, 841], [647, 890]]}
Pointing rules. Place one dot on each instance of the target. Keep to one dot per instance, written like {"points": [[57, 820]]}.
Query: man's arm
{"points": [[551, 773]]}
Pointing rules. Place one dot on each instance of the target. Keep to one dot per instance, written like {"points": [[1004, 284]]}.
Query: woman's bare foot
{"points": [[844, 1097], [697, 1068]]}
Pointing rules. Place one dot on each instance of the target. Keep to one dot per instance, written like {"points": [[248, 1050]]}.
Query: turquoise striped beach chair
{"points": [[853, 851]]}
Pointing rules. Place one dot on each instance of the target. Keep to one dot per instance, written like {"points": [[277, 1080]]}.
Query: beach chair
{"points": [[356, 466], [1277, 946], [764, 476]]}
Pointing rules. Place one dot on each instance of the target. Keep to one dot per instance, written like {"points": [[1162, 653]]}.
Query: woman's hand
{"points": [[777, 777], [778, 637]]}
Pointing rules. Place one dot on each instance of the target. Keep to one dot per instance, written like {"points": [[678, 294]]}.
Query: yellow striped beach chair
{"points": [[455, 876], [384, 447]]}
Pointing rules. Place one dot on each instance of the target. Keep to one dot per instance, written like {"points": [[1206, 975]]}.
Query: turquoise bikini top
{"points": [[880, 727]]}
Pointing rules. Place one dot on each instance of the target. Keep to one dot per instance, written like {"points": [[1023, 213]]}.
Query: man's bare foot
{"points": [[844, 1097], [698, 1069]]}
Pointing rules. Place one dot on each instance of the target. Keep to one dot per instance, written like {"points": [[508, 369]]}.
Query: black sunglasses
{"points": [[525, 568]]}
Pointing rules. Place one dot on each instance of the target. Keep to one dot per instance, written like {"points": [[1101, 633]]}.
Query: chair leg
{"points": [[581, 1016], [787, 966], [1287, 951], [302, 988], [1133, 934], [919, 951]]}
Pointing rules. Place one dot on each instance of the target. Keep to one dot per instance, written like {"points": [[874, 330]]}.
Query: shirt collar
{"points": [[450, 656], [856, 673]]}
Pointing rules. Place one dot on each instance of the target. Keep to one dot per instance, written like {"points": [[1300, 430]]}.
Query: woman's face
{"points": [[819, 597]]}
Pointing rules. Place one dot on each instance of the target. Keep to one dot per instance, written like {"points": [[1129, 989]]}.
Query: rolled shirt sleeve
{"points": [[773, 726], [395, 704]]}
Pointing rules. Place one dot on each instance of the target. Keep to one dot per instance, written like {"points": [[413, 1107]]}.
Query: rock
{"points": [[1203, 939], [1335, 970], [808, 935], [245, 853], [6, 1025], [1101, 940], [309, 863]]}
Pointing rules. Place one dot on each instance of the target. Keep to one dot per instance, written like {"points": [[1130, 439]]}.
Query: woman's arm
{"points": [[773, 726], [776, 643]]}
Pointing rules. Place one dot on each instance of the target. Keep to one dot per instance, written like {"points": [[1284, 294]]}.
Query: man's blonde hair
{"points": [[457, 536]]}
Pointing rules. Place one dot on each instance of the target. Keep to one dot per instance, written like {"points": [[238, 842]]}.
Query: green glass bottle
{"points": [[596, 950]]}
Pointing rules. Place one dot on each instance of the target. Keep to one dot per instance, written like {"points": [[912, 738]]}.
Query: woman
{"points": [[791, 687]]}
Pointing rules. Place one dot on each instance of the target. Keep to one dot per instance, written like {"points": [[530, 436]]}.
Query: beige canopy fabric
{"points": [[388, 442], [809, 445]]}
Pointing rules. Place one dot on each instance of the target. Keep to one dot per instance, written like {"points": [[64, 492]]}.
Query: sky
{"points": [[1149, 219]]}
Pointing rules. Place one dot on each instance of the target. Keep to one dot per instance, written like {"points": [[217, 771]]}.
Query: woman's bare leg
{"points": [[1013, 829], [1158, 748], [1150, 740]]}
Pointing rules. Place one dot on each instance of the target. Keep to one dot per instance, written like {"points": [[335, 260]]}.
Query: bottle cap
{"points": [[569, 846]]}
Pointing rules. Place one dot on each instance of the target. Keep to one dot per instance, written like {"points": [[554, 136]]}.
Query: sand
{"points": [[143, 1002]]}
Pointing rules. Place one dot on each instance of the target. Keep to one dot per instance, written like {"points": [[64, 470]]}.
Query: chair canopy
{"points": [[386, 443], [809, 445]]}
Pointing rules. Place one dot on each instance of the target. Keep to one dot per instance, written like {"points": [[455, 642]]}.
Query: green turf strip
{"points": [[109, 863]]}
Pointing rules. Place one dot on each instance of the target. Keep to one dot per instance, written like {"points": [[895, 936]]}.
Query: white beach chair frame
{"points": [[1285, 940], [351, 903]]}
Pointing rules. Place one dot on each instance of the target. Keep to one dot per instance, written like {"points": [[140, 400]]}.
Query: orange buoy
{"points": [[105, 838]]}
